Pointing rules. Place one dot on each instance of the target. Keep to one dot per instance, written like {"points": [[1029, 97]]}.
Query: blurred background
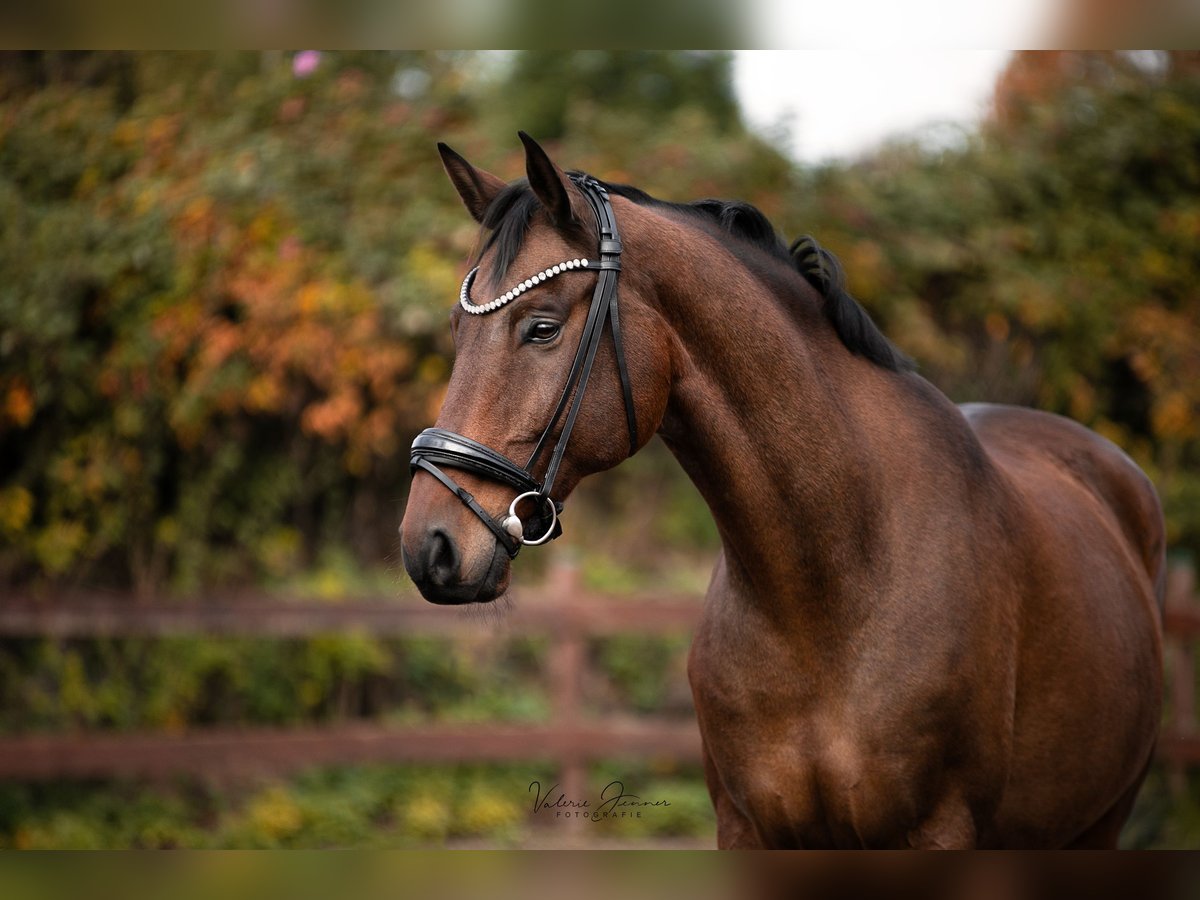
{"points": [[224, 282]]}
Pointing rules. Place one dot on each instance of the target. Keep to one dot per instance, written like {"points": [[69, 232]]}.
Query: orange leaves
{"points": [[325, 297], [996, 326], [332, 417], [219, 341], [386, 371], [1081, 399], [162, 132], [160, 139], [214, 323], [1175, 416], [273, 332], [264, 394], [264, 228], [292, 109], [19, 405], [197, 219], [126, 133], [1165, 351], [1167, 361]]}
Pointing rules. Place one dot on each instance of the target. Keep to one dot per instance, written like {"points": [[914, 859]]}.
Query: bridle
{"points": [[436, 447]]}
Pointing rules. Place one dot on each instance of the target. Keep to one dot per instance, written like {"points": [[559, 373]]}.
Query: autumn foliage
{"points": [[225, 276]]}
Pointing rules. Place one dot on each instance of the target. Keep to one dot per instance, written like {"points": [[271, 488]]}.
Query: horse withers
{"points": [[928, 626]]}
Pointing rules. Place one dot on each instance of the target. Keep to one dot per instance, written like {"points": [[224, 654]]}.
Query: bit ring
{"points": [[513, 525]]}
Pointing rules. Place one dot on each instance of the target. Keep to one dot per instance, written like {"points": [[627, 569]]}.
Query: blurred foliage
{"points": [[1164, 816], [545, 85], [363, 807], [225, 274], [1049, 260], [206, 366], [367, 806], [222, 317], [181, 683], [123, 684], [643, 673], [690, 811]]}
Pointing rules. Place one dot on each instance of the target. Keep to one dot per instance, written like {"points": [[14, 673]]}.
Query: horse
{"points": [[928, 626]]}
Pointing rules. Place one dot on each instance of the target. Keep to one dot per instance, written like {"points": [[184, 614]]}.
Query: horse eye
{"points": [[544, 331]]}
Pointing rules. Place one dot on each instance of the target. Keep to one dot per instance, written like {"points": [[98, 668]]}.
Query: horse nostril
{"points": [[443, 559]]}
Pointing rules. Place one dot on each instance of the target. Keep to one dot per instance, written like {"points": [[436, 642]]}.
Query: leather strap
{"points": [[604, 307], [510, 544], [623, 374], [610, 257]]}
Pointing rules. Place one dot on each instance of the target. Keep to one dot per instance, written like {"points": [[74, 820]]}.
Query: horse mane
{"points": [[510, 214]]}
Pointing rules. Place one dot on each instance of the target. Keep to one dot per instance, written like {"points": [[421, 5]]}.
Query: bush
{"points": [[177, 683], [221, 321], [1049, 261]]}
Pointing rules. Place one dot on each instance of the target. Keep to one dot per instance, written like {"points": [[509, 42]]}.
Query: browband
{"points": [[479, 309], [436, 447]]}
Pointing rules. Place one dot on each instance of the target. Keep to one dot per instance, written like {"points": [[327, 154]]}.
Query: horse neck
{"points": [[801, 450]]}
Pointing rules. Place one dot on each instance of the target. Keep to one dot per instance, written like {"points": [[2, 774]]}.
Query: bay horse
{"points": [[929, 625]]}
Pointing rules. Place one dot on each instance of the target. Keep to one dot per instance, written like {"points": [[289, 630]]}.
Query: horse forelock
{"points": [[505, 224]]}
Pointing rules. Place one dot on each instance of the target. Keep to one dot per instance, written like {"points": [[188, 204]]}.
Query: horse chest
{"points": [[802, 769]]}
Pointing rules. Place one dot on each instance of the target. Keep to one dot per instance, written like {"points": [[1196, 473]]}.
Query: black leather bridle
{"points": [[435, 447]]}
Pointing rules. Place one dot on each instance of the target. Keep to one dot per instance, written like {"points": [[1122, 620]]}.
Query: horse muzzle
{"points": [[436, 563]]}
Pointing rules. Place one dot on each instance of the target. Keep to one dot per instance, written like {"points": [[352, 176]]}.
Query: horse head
{"points": [[550, 383]]}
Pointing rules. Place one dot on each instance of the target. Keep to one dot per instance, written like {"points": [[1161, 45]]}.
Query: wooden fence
{"points": [[1179, 744], [562, 610]]}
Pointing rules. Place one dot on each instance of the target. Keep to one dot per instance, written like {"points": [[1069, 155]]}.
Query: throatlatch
{"points": [[435, 447]]}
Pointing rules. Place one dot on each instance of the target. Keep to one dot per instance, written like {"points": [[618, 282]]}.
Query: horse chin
{"points": [[495, 583]]}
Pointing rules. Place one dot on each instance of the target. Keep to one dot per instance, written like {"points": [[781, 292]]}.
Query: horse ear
{"points": [[476, 187], [549, 183]]}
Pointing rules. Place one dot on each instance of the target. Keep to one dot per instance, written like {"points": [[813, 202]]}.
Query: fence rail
{"points": [[237, 752], [544, 612], [563, 610]]}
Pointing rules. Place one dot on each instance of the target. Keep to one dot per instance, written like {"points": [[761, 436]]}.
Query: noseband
{"points": [[436, 447]]}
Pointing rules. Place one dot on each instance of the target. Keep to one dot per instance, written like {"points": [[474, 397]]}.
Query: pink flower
{"points": [[305, 63]]}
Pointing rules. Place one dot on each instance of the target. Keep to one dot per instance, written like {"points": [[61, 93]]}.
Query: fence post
{"points": [[1181, 659], [568, 657]]}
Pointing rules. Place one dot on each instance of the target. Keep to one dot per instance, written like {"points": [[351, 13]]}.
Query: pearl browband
{"points": [[491, 305]]}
